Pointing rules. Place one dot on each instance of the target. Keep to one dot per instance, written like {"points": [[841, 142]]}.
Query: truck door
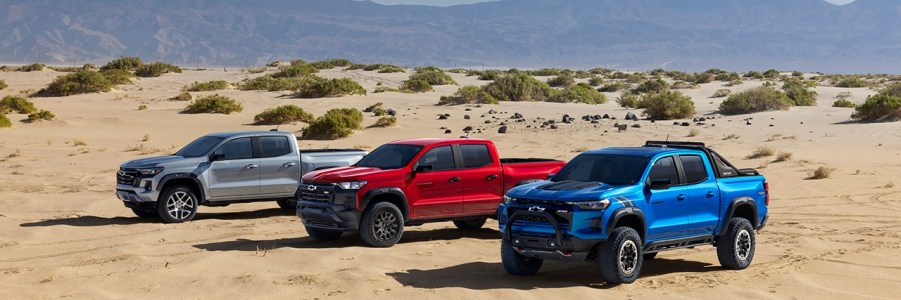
{"points": [[483, 183], [703, 195], [437, 189], [668, 216], [234, 172], [279, 167]]}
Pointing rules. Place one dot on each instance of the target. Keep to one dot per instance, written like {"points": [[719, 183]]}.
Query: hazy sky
{"points": [[452, 2]]}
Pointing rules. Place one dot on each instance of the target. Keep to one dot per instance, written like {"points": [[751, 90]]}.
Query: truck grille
{"points": [[321, 193], [561, 213], [127, 177]]}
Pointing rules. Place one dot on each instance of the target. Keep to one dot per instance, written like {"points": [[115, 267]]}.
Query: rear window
{"points": [[475, 156], [694, 169], [665, 168], [274, 146]]}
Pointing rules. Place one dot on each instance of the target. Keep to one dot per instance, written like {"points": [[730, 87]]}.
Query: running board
{"points": [[679, 243]]}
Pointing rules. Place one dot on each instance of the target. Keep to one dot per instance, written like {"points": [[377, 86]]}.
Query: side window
{"points": [[475, 156], [274, 146], [695, 171], [236, 149], [440, 158], [665, 168], [725, 170]]}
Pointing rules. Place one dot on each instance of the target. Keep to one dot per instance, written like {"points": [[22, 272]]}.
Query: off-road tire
{"points": [[177, 204], [735, 249], [620, 258], [470, 224], [517, 264], [145, 213], [382, 225], [649, 256], [323, 234], [287, 203]]}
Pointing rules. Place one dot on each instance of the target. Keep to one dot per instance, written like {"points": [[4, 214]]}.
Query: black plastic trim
{"points": [[737, 202], [627, 211], [404, 209], [190, 176], [558, 234]]}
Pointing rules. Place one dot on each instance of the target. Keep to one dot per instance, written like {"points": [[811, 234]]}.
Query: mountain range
{"points": [[691, 35]]}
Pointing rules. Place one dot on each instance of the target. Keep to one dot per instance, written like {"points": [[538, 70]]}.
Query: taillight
{"points": [[766, 189]]}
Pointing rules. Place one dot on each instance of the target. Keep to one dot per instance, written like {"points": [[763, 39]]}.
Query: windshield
{"points": [[199, 147], [606, 168], [390, 156]]}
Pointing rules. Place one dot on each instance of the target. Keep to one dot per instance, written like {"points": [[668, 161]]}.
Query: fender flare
{"points": [[738, 202], [191, 176], [404, 209], [621, 212]]}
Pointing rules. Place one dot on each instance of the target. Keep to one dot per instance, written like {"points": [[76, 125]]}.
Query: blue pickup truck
{"points": [[620, 206]]}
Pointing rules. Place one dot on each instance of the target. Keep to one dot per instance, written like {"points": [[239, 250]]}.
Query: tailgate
{"points": [[517, 170]]}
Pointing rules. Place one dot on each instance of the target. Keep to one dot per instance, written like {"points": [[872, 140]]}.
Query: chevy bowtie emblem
{"points": [[311, 188], [536, 208], [121, 172]]}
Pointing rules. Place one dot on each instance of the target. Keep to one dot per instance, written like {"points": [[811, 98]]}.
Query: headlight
{"points": [[508, 199], [352, 185], [594, 205], [151, 171]]}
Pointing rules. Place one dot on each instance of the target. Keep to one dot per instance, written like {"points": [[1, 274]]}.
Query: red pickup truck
{"points": [[411, 182]]}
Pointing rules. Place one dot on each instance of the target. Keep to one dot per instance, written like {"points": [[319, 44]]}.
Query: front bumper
{"points": [[132, 194], [538, 244], [328, 207]]}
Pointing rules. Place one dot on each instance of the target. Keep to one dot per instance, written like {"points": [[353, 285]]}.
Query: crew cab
{"points": [[411, 182], [220, 169], [621, 206]]}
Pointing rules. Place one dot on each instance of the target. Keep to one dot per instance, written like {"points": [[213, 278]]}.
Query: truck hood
{"points": [[162, 161], [343, 174], [566, 191]]}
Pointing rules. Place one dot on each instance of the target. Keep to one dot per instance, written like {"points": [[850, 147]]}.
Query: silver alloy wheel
{"points": [[628, 257], [742, 245], [179, 205], [385, 226]]}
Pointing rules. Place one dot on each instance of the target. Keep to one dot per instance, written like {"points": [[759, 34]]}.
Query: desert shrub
{"points": [[336, 123], [892, 90], [331, 63], [704, 78], [681, 85], [4, 122], [416, 86], [256, 70], [3, 84], [582, 74], [490, 75], [754, 75], [41, 115], [207, 86], [843, 103], [595, 81], [879, 108], [433, 76], [184, 96], [564, 80], [81, 82], [650, 86], [771, 74], [382, 89], [761, 152], [142, 107], [269, 83], [469, 94], [694, 132], [797, 74], [798, 94], [518, 87], [295, 71], [282, 115], [385, 122], [580, 93], [391, 69], [614, 87], [754, 100], [64, 69], [457, 71], [729, 77], [783, 156], [127, 63], [547, 72], [213, 104], [16, 104], [852, 82], [628, 100], [297, 62], [5, 68], [821, 173], [722, 93], [31, 68], [117, 76], [156, 69], [320, 88], [667, 105]]}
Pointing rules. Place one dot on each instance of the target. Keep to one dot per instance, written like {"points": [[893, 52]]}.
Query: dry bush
{"points": [[79, 142], [184, 96], [722, 93], [731, 137], [385, 122], [783, 156], [761, 152], [214, 104], [694, 132], [821, 173], [146, 138], [142, 107]]}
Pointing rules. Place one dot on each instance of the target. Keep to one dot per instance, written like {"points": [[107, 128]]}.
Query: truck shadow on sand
{"points": [[487, 276], [347, 240], [94, 221]]}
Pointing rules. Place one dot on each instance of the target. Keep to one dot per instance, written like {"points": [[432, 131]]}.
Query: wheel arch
{"points": [[186, 179], [742, 207], [628, 216], [394, 195]]}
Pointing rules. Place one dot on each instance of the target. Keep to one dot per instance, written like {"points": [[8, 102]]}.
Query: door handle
{"points": [[680, 197], [710, 194], [491, 177], [453, 179], [251, 166], [290, 164]]}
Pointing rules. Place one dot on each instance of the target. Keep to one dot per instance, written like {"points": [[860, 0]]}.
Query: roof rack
{"points": [[674, 143]]}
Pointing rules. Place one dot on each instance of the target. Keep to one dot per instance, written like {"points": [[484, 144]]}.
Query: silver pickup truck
{"points": [[220, 169]]}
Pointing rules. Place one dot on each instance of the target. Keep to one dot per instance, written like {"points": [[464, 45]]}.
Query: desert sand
{"points": [[63, 233]]}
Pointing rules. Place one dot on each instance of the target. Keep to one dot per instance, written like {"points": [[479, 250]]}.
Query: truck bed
{"points": [[525, 160], [329, 150]]}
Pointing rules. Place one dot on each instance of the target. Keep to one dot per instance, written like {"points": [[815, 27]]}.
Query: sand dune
{"points": [[64, 234]]}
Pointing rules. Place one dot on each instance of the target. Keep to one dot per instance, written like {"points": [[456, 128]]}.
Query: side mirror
{"points": [[549, 176], [661, 184], [217, 157], [423, 169]]}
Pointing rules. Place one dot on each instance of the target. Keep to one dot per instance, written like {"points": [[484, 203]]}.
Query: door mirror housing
{"points": [[549, 176], [423, 169], [661, 184], [217, 157]]}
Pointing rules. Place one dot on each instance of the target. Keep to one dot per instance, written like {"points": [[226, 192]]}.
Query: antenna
{"points": [[276, 127]]}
